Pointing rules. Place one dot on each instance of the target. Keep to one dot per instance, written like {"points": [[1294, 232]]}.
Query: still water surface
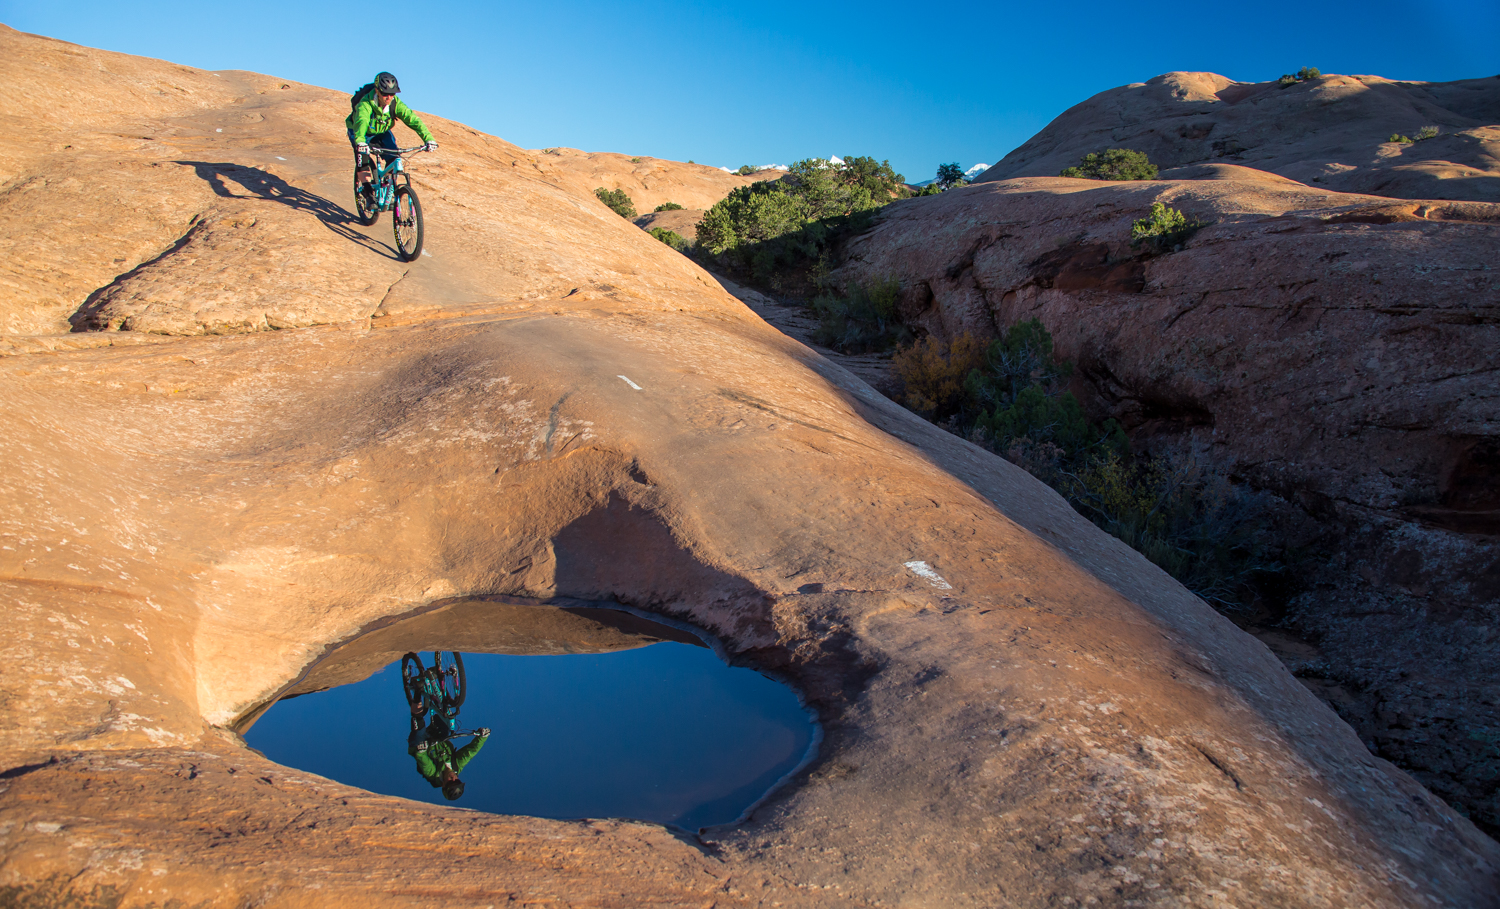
{"points": [[665, 733]]}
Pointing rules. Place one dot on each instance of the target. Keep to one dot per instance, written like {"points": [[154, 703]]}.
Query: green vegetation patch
{"points": [[1009, 396], [617, 200], [1164, 230], [668, 206], [864, 321], [670, 237], [780, 232], [1113, 164]]}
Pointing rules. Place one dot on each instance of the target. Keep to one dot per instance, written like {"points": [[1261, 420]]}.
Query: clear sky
{"points": [[771, 82]]}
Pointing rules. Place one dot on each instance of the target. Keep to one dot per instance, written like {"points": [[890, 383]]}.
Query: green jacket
{"points": [[368, 119], [430, 763]]}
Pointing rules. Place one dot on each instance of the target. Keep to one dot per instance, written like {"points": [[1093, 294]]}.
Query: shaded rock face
{"points": [[1018, 710], [1337, 351], [1329, 132]]}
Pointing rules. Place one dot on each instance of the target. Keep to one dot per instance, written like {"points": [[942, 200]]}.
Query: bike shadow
{"points": [[224, 176]]}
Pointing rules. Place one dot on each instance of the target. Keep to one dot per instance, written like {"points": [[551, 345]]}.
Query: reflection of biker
{"points": [[437, 760], [371, 122]]}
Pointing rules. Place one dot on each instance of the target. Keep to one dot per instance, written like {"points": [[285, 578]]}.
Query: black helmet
{"points": [[386, 84], [453, 789]]}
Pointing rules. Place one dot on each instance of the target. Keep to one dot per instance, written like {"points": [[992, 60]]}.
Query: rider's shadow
{"points": [[225, 178]]}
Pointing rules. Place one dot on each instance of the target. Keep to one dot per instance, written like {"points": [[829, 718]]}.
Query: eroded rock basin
{"points": [[594, 712]]}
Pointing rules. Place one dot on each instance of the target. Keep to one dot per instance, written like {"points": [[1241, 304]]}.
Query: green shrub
{"points": [[932, 189], [1287, 79], [745, 170], [1397, 137], [1308, 73], [668, 206], [670, 237], [1113, 164], [1426, 132], [950, 175], [1164, 230], [617, 200], [778, 230], [636, 160], [862, 322], [1010, 397]]}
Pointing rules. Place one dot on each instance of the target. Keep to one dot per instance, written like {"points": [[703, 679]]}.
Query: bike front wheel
{"points": [[455, 685], [406, 218]]}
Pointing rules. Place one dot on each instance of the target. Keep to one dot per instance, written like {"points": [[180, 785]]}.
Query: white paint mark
{"points": [[279, 158], [46, 827], [219, 130], [925, 572], [426, 253], [630, 383]]}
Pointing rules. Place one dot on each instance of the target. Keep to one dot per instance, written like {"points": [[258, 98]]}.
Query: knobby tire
{"points": [[406, 220], [411, 678], [365, 212], [455, 687]]}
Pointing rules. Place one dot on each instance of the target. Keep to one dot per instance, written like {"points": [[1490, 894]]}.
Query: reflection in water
{"points": [[664, 733], [438, 690]]}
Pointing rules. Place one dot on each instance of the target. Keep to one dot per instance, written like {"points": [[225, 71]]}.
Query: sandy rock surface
{"points": [[684, 223], [1018, 709], [1330, 132], [1338, 351], [648, 182]]}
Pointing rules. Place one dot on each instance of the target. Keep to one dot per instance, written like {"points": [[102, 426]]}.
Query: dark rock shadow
{"points": [[226, 178]]}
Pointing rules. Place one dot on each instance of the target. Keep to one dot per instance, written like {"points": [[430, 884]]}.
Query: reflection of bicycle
{"points": [[438, 689], [391, 191]]}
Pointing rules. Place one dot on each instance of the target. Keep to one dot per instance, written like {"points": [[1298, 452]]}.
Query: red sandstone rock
{"points": [[555, 404], [1330, 132]]}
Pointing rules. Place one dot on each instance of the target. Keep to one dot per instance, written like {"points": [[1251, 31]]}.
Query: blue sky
{"points": [[771, 82]]}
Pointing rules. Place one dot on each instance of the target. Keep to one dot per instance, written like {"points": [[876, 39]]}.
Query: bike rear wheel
{"points": [[365, 209], [406, 219], [454, 684], [411, 678]]}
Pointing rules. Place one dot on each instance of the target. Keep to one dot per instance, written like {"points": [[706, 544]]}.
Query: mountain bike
{"points": [[439, 688], [391, 191]]}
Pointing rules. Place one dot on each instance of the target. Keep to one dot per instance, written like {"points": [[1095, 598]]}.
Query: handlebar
{"points": [[409, 151]]}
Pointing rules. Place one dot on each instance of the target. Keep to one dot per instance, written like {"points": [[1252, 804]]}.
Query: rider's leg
{"points": [[416, 736], [386, 143], [362, 172]]}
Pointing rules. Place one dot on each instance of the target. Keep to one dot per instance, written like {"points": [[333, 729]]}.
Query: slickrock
{"points": [[1338, 351], [1332, 132], [648, 182], [1018, 709]]}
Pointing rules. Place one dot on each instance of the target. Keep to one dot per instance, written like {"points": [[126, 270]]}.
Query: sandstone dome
{"points": [[239, 431]]}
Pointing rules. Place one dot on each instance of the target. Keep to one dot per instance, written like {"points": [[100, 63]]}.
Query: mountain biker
{"points": [[437, 760], [376, 110]]}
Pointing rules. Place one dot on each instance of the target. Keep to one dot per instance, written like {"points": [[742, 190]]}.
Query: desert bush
{"points": [[670, 237], [1426, 132], [950, 175], [668, 206], [1178, 511], [1397, 137], [932, 189], [863, 321], [1287, 79], [636, 160], [932, 375], [1164, 230], [778, 230], [745, 170], [1113, 164], [617, 200], [1308, 73]]}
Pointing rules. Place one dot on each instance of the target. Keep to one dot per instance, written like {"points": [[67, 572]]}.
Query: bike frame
{"points": [[385, 176], [432, 693]]}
